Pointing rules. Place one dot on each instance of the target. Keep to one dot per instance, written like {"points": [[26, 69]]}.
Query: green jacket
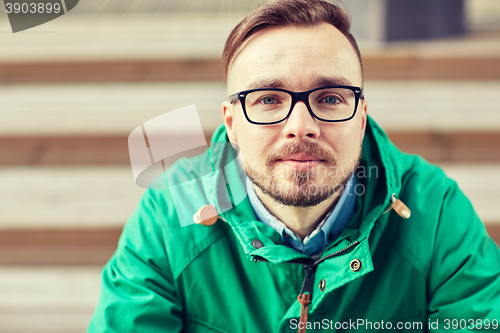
{"points": [[438, 267]]}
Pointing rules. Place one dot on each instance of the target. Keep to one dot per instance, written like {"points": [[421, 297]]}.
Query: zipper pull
{"points": [[305, 296], [399, 207], [304, 300]]}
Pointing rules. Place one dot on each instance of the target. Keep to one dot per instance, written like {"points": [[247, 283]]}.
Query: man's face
{"points": [[301, 161]]}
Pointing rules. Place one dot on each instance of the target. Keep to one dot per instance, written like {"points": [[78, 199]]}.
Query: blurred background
{"points": [[72, 90]]}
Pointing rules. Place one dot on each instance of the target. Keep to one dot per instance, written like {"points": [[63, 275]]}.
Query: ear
{"points": [[227, 117], [364, 115]]}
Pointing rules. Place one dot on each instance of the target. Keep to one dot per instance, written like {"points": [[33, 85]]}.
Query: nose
{"points": [[301, 124]]}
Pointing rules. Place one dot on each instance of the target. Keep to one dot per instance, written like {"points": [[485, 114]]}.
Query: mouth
{"points": [[300, 161], [301, 158]]}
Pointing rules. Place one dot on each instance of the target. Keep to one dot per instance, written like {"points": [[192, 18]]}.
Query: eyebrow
{"points": [[332, 81], [318, 82], [278, 83]]}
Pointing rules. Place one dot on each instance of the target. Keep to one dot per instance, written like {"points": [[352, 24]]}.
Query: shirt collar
{"points": [[332, 223]]}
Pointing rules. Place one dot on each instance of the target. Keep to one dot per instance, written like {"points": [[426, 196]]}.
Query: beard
{"points": [[302, 187]]}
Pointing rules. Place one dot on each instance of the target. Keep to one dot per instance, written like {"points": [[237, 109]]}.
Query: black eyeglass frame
{"points": [[296, 97]]}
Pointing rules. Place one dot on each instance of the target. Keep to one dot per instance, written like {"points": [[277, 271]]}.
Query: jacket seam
{"points": [[162, 219], [200, 249], [203, 323], [405, 254]]}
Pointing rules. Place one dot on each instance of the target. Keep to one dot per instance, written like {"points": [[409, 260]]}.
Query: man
{"points": [[323, 240]]}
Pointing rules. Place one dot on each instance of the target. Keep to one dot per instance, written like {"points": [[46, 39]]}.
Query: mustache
{"points": [[307, 147]]}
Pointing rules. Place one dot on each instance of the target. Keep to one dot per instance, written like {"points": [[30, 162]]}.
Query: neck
{"points": [[301, 220]]}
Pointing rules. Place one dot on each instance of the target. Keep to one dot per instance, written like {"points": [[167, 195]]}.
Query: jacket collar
{"points": [[377, 175]]}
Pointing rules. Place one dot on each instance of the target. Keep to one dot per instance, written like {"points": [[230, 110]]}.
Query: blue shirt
{"points": [[326, 231]]}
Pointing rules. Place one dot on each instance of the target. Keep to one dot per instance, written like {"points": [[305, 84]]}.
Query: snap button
{"points": [[322, 285], [206, 215], [257, 243], [356, 265], [330, 236]]}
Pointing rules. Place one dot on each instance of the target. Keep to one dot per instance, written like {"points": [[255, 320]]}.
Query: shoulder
{"points": [[443, 220], [162, 225]]}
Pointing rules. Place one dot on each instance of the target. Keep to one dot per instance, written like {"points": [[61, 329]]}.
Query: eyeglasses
{"points": [[266, 106]]}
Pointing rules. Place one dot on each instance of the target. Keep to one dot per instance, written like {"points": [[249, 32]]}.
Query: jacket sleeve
{"points": [[464, 278], [137, 286]]}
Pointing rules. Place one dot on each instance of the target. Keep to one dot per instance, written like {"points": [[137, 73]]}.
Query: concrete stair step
{"points": [[169, 47], [118, 37], [102, 109], [112, 150], [377, 66], [116, 109], [70, 197], [105, 197], [88, 124], [48, 299]]}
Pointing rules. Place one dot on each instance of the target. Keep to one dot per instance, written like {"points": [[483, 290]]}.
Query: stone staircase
{"points": [[73, 89]]}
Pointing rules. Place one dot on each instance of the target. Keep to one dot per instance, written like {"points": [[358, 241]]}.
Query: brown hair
{"points": [[279, 13]]}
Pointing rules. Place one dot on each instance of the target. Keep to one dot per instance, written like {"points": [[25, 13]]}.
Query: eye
{"points": [[265, 99], [268, 100], [331, 99]]}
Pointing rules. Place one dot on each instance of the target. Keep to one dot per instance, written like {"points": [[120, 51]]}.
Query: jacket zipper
{"points": [[306, 292], [305, 296], [337, 253]]}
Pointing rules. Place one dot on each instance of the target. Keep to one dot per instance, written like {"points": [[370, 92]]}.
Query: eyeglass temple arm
{"points": [[233, 97]]}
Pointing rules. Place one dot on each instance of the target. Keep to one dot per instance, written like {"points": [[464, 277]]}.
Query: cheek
{"points": [[255, 142], [247, 141], [345, 141], [355, 131]]}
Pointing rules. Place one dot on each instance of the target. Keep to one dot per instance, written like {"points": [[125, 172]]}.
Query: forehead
{"points": [[299, 57]]}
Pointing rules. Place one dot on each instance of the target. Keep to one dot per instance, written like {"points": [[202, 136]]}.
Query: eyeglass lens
{"points": [[328, 104]]}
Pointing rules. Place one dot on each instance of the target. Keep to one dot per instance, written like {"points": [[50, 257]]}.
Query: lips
{"points": [[300, 155], [301, 158], [300, 161]]}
